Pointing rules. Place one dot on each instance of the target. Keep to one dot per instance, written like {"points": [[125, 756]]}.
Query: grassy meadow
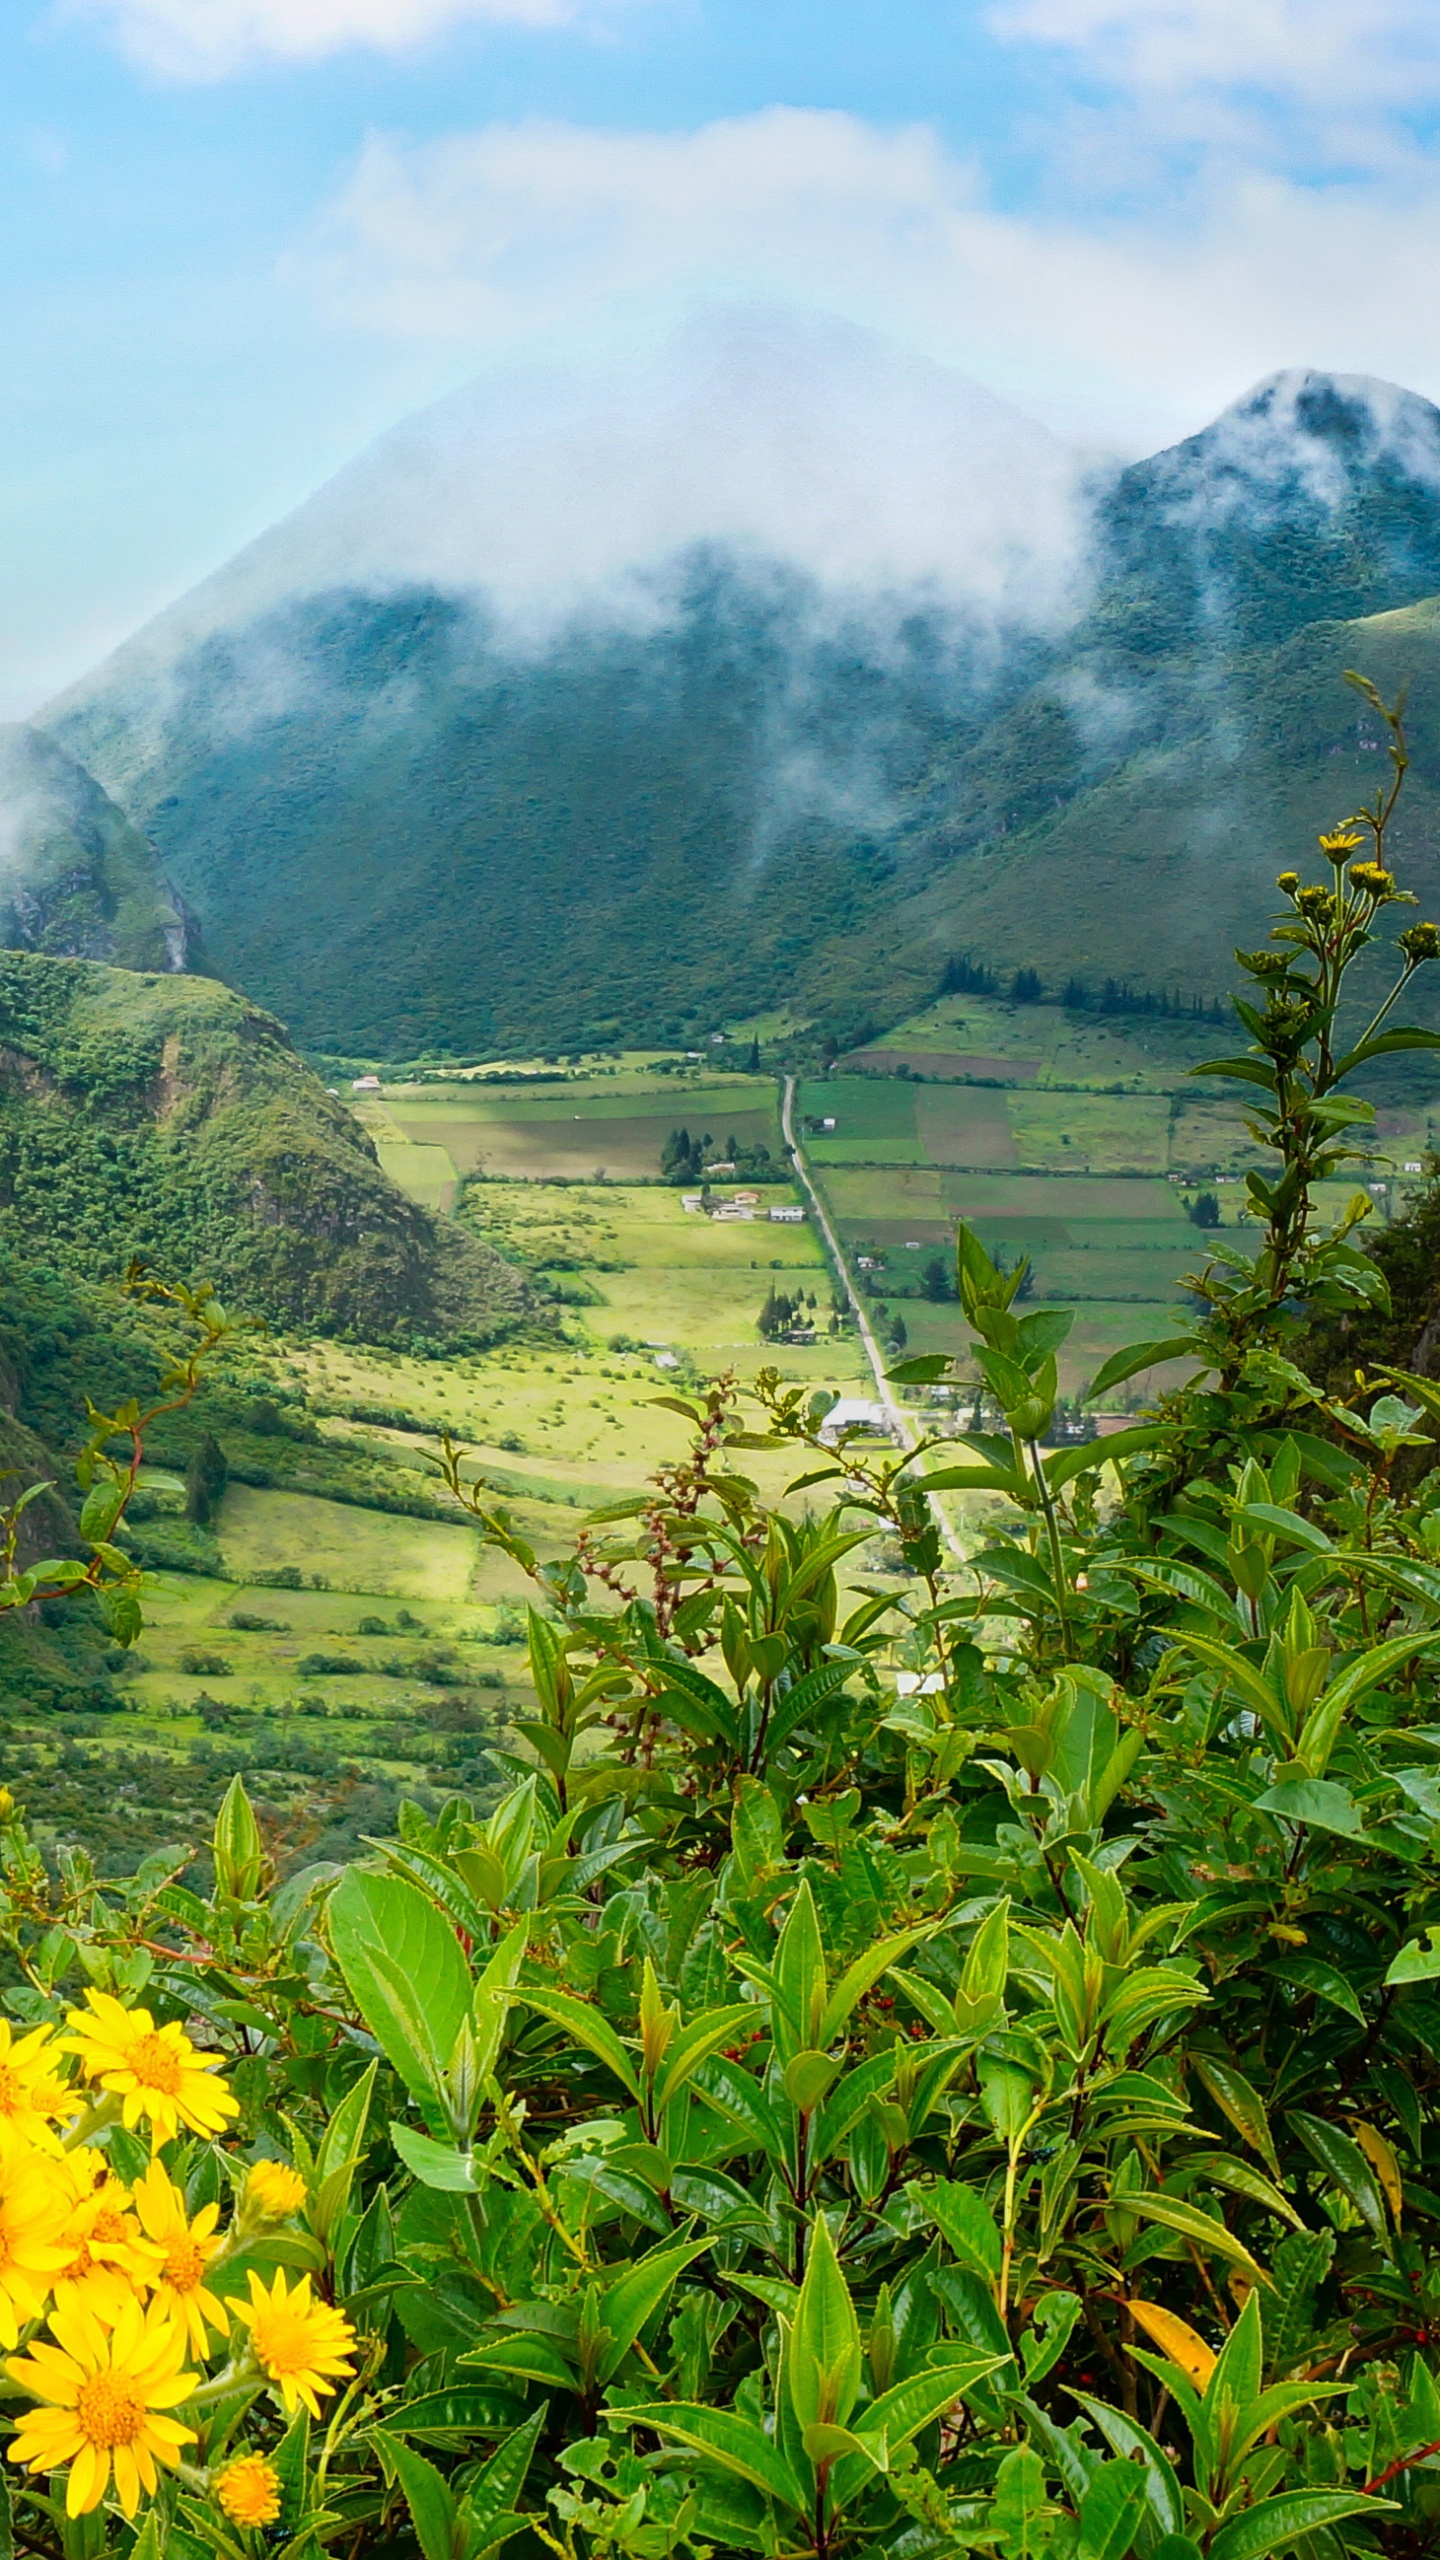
{"points": [[396, 1666]]}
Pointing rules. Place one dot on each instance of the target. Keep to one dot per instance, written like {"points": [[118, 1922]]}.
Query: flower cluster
{"points": [[111, 2290]]}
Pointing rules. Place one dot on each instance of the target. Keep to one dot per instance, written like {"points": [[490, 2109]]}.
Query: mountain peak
{"points": [[1302, 434]]}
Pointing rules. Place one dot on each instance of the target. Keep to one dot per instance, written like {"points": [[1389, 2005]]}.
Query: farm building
{"points": [[853, 1413]]}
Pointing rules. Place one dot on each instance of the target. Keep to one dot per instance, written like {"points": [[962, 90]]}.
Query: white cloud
{"points": [[1331, 53], [208, 39], [1124, 328]]}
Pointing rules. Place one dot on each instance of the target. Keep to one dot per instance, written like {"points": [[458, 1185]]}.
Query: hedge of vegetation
{"points": [[947, 2072]]}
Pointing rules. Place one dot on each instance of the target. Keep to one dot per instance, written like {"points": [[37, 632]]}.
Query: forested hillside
{"points": [[165, 1117], [406, 830]]}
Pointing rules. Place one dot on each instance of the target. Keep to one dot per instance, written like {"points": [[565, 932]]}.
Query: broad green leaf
{"points": [[1277, 2524], [863, 1974], [1194, 2225], [1316, 1801], [499, 2481], [799, 1976], [807, 2078], [965, 2221], [626, 2305], [1021, 2515], [1128, 2438], [1419, 1961], [404, 1971], [1144, 1355], [1236, 2099], [822, 2353], [526, 2356], [438, 2164], [427, 2494], [1088, 1456], [1112, 2511], [1326, 1981], [732, 2441], [908, 2407], [1345, 2162], [704, 2036], [589, 2027]]}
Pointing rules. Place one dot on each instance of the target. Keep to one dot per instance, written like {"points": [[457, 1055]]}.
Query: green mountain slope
{"points": [[76, 877], [167, 1118], [406, 833]]}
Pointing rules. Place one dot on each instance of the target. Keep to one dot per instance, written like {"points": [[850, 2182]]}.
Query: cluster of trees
{"points": [[964, 975], [782, 1314], [685, 1155]]}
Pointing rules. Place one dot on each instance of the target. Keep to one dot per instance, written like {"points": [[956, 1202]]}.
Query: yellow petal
{"points": [[1176, 2339]]}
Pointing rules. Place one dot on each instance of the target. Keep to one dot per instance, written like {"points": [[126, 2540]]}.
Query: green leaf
{"points": [[821, 2367], [336, 2161], [427, 2494], [498, 2483], [1021, 2516], [438, 2164], [1144, 1355], [1088, 1456], [1313, 1974], [1187, 2219], [1404, 1036], [589, 2027], [964, 2219], [800, 1982], [704, 2036], [1128, 2438], [1316, 1801], [404, 1971], [800, 1702], [1345, 2162], [1419, 1961], [863, 1974], [807, 2077], [907, 2408], [1236, 2099], [626, 2305], [526, 2356], [1112, 2511], [1276, 2524], [732, 2441]]}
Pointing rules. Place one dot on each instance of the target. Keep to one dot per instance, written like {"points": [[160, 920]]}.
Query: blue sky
{"points": [[239, 237]]}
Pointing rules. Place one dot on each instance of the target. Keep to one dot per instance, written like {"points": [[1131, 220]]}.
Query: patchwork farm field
{"points": [[1074, 1142]]}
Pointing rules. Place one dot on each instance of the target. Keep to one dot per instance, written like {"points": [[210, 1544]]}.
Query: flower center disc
{"points": [[284, 2344], [184, 2265], [155, 2064], [108, 2414]]}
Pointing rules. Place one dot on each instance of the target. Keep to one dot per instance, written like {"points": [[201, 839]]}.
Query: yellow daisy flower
{"points": [[184, 2249], [33, 2201], [273, 2190], [248, 2490], [297, 2340], [157, 2071], [106, 2256], [31, 2091], [104, 2393]]}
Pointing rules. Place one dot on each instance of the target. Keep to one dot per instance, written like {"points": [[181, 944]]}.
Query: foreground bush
{"points": [[956, 2071]]}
